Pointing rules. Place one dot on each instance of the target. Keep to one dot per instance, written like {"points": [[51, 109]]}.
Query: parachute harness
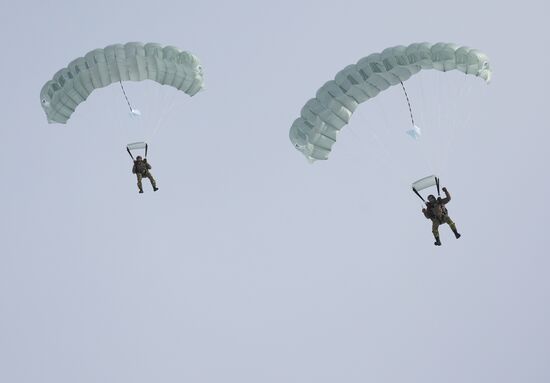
{"points": [[408, 102]]}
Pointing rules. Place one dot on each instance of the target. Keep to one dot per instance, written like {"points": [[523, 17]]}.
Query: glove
{"points": [[444, 189]]}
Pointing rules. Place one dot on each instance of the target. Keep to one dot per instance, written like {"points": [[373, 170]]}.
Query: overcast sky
{"points": [[250, 264]]}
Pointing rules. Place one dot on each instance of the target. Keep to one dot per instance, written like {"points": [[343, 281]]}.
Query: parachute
{"points": [[314, 132], [132, 61]]}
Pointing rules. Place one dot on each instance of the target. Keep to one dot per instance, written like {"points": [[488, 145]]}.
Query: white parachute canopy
{"points": [[322, 117], [132, 61]]}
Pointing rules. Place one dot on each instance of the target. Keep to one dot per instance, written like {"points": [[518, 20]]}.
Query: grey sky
{"points": [[249, 264]]}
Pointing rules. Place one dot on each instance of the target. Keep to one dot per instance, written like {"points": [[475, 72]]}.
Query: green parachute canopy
{"points": [[132, 61], [322, 117]]}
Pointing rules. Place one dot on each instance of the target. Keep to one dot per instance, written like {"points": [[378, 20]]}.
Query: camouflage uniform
{"points": [[437, 212], [141, 169]]}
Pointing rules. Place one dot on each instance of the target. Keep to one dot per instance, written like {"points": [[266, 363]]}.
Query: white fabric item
{"points": [[414, 133], [129, 62], [135, 113], [322, 117]]}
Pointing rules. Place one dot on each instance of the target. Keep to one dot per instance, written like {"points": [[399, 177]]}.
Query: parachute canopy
{"points": [[132, 61], [322, 117]]}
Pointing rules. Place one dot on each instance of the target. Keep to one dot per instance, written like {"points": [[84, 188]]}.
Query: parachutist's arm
{"points": [[148, 166], [134, 169], [447, 196], [426, 213]]}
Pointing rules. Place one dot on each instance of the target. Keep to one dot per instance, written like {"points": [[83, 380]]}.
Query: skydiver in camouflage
{"points": [[141, 169], [437, 212]]}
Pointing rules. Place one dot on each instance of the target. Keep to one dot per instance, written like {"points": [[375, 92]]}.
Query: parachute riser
{"points": [[130, 153], [126, 97], [146, 147], [418, 194], [425, 183]]}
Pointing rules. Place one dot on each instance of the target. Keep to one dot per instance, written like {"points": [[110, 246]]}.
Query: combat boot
{"points": [[457, 234], [155, 188], [437, 241]]}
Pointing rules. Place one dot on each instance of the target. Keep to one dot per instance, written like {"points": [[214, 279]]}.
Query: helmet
{"points": [[138, 158]]}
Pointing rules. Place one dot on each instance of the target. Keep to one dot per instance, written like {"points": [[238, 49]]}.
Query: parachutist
{"points": [[437, 212], [141, 169]]}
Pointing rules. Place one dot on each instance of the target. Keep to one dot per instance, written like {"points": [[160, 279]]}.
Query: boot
{"points": [[155, 188], [140, 191], [437, 241], [457, 234]]}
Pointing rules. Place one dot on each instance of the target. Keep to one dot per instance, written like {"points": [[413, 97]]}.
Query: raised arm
{"points": [[447, 198]]}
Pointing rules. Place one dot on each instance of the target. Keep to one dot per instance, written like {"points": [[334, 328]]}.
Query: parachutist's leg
{"points": [[153, 182], [450, 222], [435, 231], [140, 186]]}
